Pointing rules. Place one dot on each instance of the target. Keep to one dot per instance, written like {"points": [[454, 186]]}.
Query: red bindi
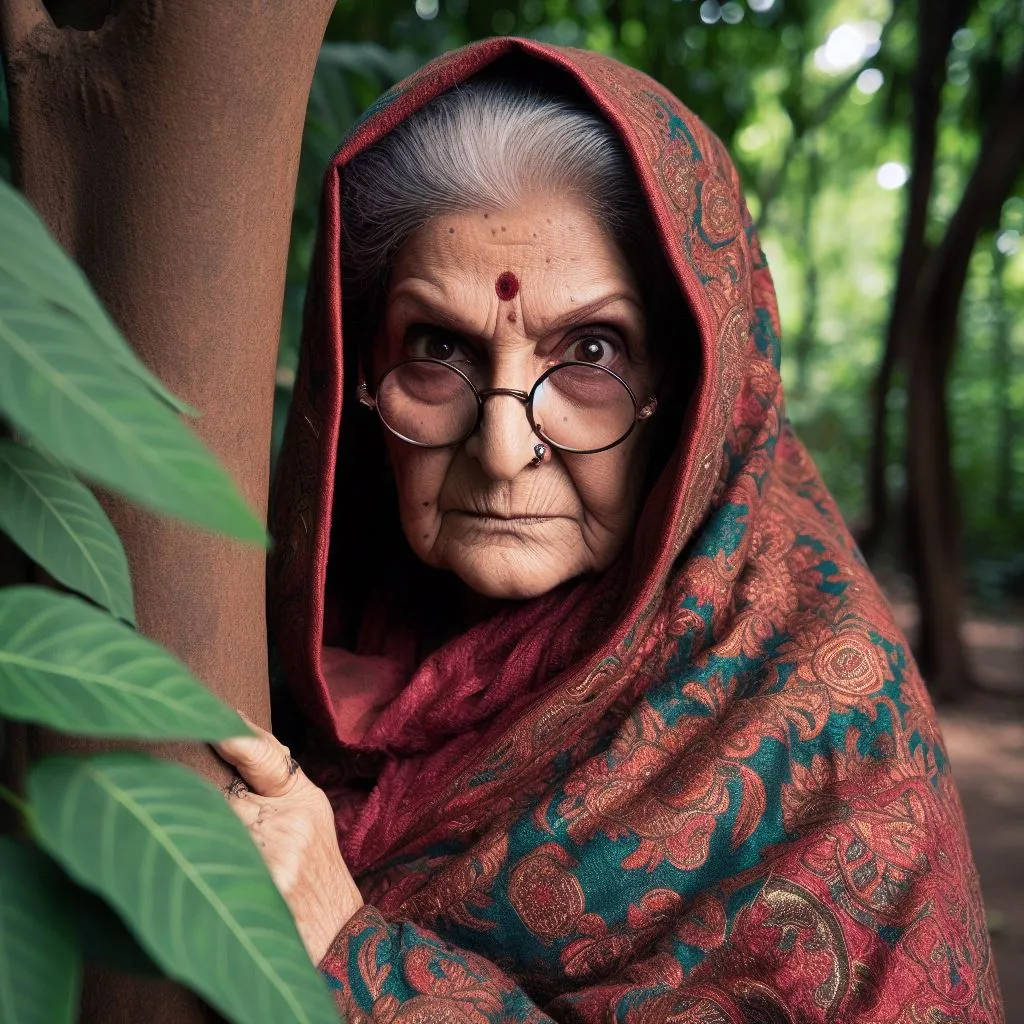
{"points": [[507, 286]]}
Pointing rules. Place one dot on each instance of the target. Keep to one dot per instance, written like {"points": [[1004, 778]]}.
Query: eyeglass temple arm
{"points": [[364, 397]]}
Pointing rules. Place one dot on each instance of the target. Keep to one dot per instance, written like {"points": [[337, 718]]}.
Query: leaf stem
{"points": [[16, 802]]}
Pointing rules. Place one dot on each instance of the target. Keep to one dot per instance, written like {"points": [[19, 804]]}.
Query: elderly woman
{"points": [[607, 719]]}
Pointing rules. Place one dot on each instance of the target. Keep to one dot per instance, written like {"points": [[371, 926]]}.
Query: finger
{"points": [[263, 762]]}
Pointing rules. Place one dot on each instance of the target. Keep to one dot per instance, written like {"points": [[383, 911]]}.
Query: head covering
{"points": [[708, 786]]}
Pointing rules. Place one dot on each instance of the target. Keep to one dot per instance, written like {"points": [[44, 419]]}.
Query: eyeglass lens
{"points": [[579, 407]]}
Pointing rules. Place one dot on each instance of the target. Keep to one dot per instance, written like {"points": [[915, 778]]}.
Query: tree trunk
{"points": [[804, 344], [932, 517], [937, 22], [1002, 381], [933, 521], [161, 142]]}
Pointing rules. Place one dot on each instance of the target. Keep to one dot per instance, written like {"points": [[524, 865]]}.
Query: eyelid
{"points": [[595, 330], [417, 331], [607, 333]]}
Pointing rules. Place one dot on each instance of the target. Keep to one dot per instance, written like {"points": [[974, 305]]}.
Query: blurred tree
{"points": [[803, 346], [819, 104], [922, 337], [1002, 378]]}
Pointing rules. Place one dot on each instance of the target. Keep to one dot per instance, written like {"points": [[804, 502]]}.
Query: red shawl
{"points": [[706, 787]]}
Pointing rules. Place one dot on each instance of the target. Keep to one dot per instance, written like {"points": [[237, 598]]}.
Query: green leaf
{"points": [[69, 666], [59, 387], [40, 962], [58, 523], [165, 850], [32, 260]]}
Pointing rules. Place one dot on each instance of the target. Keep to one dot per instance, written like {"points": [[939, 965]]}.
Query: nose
{"points": [[503, 443]]}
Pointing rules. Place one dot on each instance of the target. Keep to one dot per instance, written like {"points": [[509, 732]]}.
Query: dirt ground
{"points": [[985, 741], [987, 752]]}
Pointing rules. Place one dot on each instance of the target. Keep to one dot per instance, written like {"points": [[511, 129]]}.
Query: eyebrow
{"points": [[443, 317]]}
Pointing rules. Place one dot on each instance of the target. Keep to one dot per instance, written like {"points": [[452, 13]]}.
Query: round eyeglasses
{"points": [[577, 407]]}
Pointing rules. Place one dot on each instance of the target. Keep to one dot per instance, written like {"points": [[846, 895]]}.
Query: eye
{"points": [[423, 341], [593, 348]]}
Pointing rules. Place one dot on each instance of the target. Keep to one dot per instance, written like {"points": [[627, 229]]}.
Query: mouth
{"points": [[501, 517]]}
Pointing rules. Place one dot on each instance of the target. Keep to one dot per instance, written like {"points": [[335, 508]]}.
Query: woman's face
{"points": [[507, 528]]}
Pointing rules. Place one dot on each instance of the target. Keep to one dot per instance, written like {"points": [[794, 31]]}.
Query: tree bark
{"points": [[937, 22], [933, 520], [1002, 380], [804, 344], [160, 142]]}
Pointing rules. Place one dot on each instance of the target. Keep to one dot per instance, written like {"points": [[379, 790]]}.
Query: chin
{"points": [[511, 575]]}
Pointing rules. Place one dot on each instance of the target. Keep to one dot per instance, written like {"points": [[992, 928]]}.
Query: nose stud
{"points": [[541, 455]]}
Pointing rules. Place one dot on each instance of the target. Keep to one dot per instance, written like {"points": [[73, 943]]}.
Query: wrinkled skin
{"points": [[507, 528], [292, 823]]}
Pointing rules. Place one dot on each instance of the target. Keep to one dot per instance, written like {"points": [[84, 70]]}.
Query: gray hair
{"points": [[482, 145]]}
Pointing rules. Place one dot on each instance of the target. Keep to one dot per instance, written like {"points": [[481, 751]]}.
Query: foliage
{"points": [[812, 99], [152, 840]]}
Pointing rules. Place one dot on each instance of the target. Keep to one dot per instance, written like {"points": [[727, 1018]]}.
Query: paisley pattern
{"points": [[733, 805]]}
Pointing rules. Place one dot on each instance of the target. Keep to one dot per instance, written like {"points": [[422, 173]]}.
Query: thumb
{"points": [[263, 761]]}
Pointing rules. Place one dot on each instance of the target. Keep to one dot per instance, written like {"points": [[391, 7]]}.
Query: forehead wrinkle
{"points": [[445, 316], [578, 314], [436, 308]]}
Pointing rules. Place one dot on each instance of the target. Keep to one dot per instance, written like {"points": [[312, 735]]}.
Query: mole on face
{"points": [[507, 286]]}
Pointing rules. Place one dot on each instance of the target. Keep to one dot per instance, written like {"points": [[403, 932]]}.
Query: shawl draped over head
{"points": [[709, 787]]}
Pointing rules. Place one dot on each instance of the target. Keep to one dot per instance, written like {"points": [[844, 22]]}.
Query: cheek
{"points": [[608, 485], [419, 478]]}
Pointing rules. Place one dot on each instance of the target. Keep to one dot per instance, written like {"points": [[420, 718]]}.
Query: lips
{"points": [[504, 516]]}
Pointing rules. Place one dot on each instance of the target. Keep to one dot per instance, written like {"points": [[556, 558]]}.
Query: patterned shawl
{"points": [[706, 787]]}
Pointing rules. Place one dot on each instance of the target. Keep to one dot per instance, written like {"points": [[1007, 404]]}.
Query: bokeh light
{"points": [[1008, 242], [892, 175], [869, 81], [732, 13], [710, 11], [848, 45]]}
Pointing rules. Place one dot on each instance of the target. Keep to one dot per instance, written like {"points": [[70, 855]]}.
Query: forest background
{"points": [[858, 127]]}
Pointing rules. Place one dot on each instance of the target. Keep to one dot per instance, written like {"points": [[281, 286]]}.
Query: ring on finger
{"points": [[237, 787]]}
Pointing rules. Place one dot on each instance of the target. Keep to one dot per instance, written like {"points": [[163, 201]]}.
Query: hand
{"points": [[292, 823]]}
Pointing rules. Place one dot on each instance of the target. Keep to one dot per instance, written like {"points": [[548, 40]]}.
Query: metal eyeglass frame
{"points": [[639, 412]]}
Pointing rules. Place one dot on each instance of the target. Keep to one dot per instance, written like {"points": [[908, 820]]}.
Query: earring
{"points": [[541, 455]]}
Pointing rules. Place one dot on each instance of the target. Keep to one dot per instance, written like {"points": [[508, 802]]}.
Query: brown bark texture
{"points": [[1002, 377], [160, 142], [933, 521], [937, 22], [921, 342]]}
